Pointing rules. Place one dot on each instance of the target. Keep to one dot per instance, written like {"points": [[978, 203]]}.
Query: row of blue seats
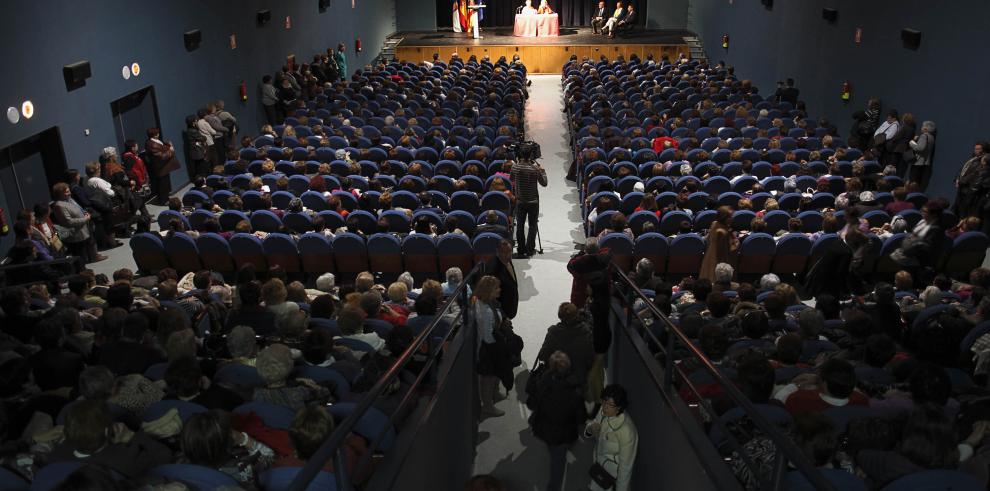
{"points": [[299, 183], [759, 253], [314, 253], [760, 169], [776, 220], [367, 223]]}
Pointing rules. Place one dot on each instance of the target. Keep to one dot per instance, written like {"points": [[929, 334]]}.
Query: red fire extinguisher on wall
{"points": [[243, 90], [4, 228], [725, 41], [357, 45], [846, 91]]}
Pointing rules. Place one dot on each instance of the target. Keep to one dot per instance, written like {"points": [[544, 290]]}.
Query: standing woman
{"points": [[617, 440], [488, 318], [340, 57], [161, 157], [557, 402], [968, 180], [196, 146], [901, 154], [923, 147], [721, 244], [72, 224]]}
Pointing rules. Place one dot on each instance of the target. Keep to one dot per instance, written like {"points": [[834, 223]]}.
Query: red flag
{"points": [[463, 10]]}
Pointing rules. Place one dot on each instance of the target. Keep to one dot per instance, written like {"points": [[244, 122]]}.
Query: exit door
{"points": [[133, 114]]}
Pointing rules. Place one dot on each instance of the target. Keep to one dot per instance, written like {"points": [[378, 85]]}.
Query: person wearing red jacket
{"points": [[136, 170], [662, 143]]}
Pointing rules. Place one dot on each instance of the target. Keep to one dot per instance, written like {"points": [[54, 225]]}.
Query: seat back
{"points": [[182, 253], [793, 251], [621, 247], [248, 249], [279, 479], [350, 253], [316, 254], [756, 254], [686, 253], [455, 250], [274, 416], [148, 252], [215, 254], [373, 423], [197, 477], [385, 254], [652, 246], [281, 250], [419, 253]]}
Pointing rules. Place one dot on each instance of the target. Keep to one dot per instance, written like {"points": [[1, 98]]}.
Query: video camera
{"points": [[525, 150]]}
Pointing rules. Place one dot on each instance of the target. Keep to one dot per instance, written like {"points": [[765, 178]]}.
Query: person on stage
{"points": [[528, 8], [544, 8], [617, 16], [599, 18]]}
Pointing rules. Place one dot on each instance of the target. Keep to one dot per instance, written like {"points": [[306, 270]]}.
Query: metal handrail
{"points": [[785, 446], [331, 446]]}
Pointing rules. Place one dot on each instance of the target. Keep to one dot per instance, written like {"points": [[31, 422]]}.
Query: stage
{"points": [[541, 54]]}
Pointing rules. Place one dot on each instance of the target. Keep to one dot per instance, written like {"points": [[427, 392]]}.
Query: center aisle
{"points": [[507, 448]]}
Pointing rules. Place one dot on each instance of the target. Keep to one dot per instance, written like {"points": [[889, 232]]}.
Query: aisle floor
{"points": [[507, 447]]}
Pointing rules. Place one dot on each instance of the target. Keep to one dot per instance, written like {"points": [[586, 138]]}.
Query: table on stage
{"points": [[536, 25]]}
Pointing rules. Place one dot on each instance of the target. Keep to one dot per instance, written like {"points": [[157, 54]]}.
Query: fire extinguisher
{"points": [[725, 41], [243, 90], [846, 91], [4, 228], [357, 45]]}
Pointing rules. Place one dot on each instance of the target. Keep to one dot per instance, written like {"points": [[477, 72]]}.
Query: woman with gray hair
{"points": [[923, 147]]}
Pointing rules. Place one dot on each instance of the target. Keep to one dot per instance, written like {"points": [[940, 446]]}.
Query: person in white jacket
{"points": [[615, 448]]}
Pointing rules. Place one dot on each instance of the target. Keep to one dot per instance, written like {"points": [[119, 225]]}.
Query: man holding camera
{"points": [[526, 174]]}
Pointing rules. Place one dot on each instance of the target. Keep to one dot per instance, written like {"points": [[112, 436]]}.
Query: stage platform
{"points": [[542, 54]]}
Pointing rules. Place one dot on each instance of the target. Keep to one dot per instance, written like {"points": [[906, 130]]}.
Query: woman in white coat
{"points": [[615, 448]]}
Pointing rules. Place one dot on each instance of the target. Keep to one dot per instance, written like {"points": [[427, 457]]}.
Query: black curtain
{"points": [[573, 13]]}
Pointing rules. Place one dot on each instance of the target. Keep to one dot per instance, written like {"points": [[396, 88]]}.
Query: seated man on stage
{"points": [[528, 8], [544, 8], [599, 18], [618, 15], [625, 23]]}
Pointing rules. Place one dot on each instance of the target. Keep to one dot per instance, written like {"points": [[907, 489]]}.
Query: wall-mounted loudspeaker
{"points": [[768, 4], [264, 16], [830, 15], [76, 74], [911, 38], [192, 39], [324, 5]]}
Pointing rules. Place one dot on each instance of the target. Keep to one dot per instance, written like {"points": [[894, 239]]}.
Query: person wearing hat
{"points": [[274, 365], [867, 202]]}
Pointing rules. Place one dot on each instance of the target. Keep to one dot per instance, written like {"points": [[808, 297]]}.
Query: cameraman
{"points": [[526, 173]]}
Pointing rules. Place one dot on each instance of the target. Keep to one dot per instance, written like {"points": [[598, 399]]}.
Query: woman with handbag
{"points": [[488, 319], [72, 224], [617, 440]]}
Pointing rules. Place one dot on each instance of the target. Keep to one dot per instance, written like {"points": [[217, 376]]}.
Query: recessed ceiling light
{"points": [[27, 109], [135, 69], [13, 115], [125, 72]]}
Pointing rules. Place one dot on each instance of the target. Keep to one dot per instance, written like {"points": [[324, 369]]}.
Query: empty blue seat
{"points": [[756, 254], [420, 255], [215, 253], [248, 249], [182, 253], [686, 252], [793, 251], [385, 254]]}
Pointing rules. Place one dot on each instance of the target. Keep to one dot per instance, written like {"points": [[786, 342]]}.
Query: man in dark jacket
{"points": [[558, 413], [502, 268]]}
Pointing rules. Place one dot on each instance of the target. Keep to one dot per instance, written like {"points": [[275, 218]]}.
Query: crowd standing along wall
{"points": [[945, 80], [41, 37]]}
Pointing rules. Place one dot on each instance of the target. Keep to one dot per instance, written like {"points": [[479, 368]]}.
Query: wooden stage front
{"points": [[542, 54]]}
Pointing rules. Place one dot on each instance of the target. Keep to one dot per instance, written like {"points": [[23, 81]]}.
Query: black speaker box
{"points": [[324, 5], [264, 16], [830, 15], [767, 3], [911, 38], [192, 39], [76, 74]]}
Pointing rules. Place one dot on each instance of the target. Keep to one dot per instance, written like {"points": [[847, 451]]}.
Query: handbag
{"points": [[535, 375], [879, 140], [601, 476]]}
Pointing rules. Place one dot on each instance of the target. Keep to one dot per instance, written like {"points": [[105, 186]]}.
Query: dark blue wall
{"points": [[40, 37], [666, 14], [945, 81], [416, 15]]}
